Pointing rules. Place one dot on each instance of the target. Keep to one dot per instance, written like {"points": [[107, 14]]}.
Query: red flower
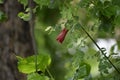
{"points": [[61, 36]]}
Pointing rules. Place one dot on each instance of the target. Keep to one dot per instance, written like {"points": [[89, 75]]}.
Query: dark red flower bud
{"points": [[61, 36]]}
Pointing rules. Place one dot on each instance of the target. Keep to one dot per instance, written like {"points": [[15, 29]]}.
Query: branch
{"points": [[100, 49], [31, 22]]}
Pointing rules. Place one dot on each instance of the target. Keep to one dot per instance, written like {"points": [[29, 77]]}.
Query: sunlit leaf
{"points": [[24, 2], [24, 16], [48, 28], [36, 76], [27, 65]]}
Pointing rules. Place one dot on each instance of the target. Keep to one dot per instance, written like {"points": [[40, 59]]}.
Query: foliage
{"points": [[2, 16], [99, 18], [36, 76], [1, 1], [82, 71], [27, 65], [42, 2], [24, 2], [25, 16]]}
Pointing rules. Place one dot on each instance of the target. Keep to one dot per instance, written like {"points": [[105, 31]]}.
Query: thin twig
{"points": [[100, 49], [32, 32], [50, 74]]}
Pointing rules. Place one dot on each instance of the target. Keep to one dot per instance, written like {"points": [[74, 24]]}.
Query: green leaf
{"points": [[109, 11], [42, 2], [78, 57], [117, 20], [3, 17], [27, 65], [36, 76], [83, 71], [1, 1], [116, 2], [66, 13], [84, 3], [24, 2], [112, 50], [78, 25], [104, 66], [24, 16], [48, 28]]}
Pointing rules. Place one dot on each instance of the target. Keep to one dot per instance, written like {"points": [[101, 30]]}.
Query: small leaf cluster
{"points": [[36, 76], [107, 11], [28, 66], [24, 2], [82, 71], [3, 17], [26, 16]]}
